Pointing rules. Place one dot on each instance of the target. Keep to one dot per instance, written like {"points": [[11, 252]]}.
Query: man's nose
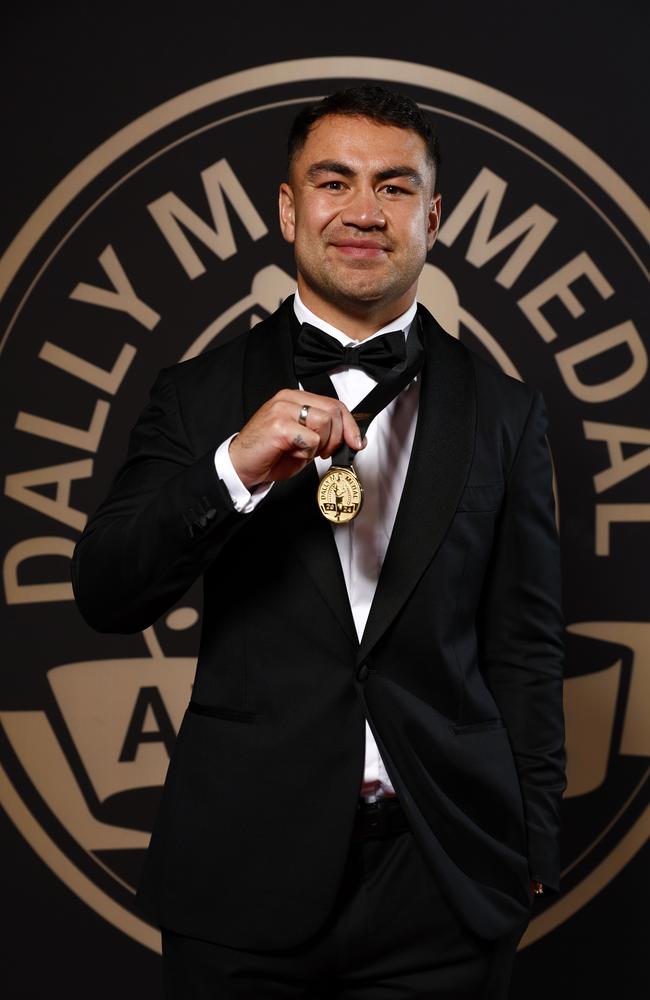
{"points": [[363, 210]]}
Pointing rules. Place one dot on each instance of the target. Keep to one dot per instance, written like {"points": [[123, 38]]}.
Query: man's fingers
{"points": [[343, 424], [302, 442], [293, 425], [352, 433], [334, 428], [320, 422], [333, 442], [344, 428]]}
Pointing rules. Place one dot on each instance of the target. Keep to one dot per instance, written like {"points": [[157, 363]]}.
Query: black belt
{"points": [[383, 818]]}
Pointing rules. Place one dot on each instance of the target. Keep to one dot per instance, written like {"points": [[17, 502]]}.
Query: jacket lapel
{"points": [[437, 472], [268, 367]]}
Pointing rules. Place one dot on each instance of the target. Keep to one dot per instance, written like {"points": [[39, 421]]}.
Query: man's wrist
{"points": [[244, 479], [245, 499]]}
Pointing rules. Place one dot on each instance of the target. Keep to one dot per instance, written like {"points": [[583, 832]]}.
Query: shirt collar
{"points": [[305, 315]]}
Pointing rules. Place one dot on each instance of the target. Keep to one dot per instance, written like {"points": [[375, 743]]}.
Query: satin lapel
{"points": [[268, 368], [268, 365], [437, 472]]}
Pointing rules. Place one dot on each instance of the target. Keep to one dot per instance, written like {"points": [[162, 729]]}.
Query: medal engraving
{"points": [[340, 495]]}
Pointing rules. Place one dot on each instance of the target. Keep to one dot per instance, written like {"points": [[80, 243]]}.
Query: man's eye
{"points": [[333, 185], [393, 189]]}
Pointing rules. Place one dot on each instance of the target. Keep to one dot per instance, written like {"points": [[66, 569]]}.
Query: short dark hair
{"points": [[366, 101]]}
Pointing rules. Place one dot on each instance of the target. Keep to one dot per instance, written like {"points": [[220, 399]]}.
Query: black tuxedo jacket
{"points": [[459, 672]]}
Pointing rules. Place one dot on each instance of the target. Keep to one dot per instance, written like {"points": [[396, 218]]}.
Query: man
{"points": [[365, 788]]}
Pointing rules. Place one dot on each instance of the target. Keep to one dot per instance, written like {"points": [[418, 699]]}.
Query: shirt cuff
{"points": [[243, 500]]}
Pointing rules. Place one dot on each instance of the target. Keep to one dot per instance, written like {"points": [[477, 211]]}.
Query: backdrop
{"points": [[142, 156]]}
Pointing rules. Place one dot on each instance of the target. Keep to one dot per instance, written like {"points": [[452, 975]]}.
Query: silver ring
{"points": [[302, 415]]}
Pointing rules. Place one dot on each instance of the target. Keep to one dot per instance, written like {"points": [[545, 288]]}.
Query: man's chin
{"points": [[362, 293], [358, 284], [355, 288], [355, 303]]}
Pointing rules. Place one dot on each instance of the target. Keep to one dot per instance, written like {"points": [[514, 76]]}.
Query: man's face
{"points": [[360, 211]]}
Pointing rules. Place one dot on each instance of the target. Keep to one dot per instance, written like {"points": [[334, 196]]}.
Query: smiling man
{"points": [[363, 799], [362, 221]]}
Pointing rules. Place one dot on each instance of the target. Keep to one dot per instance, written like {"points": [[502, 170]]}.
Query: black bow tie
{"points": [[317, 352]]}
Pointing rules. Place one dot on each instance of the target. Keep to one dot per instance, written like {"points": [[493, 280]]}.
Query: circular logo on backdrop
{"points": [[164, 242]]}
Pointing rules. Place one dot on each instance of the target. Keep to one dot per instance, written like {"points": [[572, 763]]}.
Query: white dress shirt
{"points": [[381, 467]]}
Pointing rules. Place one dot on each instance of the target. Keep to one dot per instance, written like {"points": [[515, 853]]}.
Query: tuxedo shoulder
{"points": [[498, 386], [505, 408], [223, 364], [492, 383], [220, 362]]}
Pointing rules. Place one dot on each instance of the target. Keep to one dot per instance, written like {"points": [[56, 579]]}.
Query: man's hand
{"points": [[273, 444]]}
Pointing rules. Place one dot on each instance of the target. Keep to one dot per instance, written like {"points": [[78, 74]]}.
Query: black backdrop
{"points": [[70, 79]]}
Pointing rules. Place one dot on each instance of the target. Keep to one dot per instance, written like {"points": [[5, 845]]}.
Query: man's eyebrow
{"points": [[402, 170], [335, 167], [329, 167]]}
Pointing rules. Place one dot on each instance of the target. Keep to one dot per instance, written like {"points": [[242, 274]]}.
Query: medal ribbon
{"points": [[380, 396]]}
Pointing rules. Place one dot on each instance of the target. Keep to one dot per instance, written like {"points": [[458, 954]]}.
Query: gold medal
{"points": [[340, 495]]}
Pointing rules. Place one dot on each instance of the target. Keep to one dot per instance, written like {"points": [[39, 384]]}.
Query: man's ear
{"points": [[434, 219], [287, 207]]}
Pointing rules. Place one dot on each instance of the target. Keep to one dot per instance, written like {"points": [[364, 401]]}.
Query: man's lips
{"points": [[359, 248]]}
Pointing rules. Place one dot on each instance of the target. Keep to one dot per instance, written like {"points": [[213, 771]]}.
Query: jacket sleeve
{"points": [[164, 520], [523, 640]]}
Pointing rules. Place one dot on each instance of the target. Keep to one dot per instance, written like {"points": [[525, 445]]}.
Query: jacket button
{"points": [[362, 672]]}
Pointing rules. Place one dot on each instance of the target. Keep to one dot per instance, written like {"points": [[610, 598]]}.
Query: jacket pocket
{"points": [[477, 727], [481, 498], [220, 712]]}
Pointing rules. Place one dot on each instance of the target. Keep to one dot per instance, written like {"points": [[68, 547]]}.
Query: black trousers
{"points": [[391, 935]]}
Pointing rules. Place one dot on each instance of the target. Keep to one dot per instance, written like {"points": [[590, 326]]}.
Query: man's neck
{"points": [[361, 319]]}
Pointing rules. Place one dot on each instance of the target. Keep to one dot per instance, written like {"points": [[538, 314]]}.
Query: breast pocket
{"points": [[486, 726], [484, 497], [222, 712]]}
